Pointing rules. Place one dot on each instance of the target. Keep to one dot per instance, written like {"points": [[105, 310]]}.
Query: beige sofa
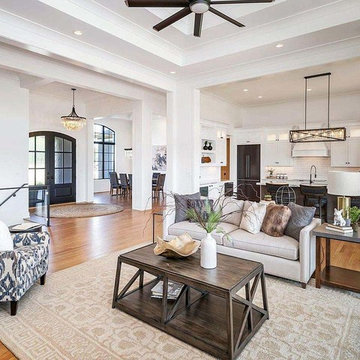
{"points": [[281, 256]]}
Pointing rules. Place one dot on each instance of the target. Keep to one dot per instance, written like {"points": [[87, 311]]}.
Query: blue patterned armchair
{"points": [[20, 268]]}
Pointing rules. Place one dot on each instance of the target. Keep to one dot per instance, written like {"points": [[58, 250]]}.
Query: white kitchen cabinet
{"points": [[277, 153], [346, 153]]}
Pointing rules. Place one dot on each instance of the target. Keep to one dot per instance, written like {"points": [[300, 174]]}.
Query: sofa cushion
{"points": [[276, 220], [301, 216], [198, 233], [285, 246], [253, 216], [181, 205], [232, 210], [200, 208]]}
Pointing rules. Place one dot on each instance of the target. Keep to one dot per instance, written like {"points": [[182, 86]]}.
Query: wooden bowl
{"points": [[180, 247]]}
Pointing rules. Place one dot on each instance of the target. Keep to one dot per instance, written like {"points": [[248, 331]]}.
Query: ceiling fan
{"points": [[198, 7]]}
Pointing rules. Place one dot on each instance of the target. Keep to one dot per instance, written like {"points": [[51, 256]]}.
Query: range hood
{"points": [[311, 149]]}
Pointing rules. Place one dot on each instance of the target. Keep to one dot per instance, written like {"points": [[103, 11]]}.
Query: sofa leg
{"points": [[303, 285], [42, 279], [13, 307]]}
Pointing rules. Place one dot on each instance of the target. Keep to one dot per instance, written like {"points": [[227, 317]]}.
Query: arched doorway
{"points": [[52, 161]]}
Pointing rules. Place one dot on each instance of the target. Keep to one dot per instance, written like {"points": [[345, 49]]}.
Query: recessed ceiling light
{"points": [[260, 97], [279, 45], [309, 89], [246, 90], [78, 32], [172, 72]]}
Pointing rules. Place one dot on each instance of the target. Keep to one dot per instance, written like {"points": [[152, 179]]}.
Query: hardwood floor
{"points": [[77, 240]]}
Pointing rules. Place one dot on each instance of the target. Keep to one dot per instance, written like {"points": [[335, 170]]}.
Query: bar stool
{"points": [[272, 189], [315, 196]]}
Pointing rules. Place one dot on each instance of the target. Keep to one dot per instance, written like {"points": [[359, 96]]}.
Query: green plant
{"points": [[354, 214], [207, 218]]}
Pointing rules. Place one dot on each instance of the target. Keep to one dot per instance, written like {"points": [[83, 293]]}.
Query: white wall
{"points": [[344, 109], [213, 108], [14, 144], [45, 114], [158, 130], [123, 139]]}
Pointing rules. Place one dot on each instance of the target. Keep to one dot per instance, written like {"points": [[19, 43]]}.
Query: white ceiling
{"points": [[114, 33], [345, 78]]}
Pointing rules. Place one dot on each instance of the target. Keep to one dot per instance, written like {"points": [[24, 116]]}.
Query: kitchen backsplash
{"points": [[301, 168]]}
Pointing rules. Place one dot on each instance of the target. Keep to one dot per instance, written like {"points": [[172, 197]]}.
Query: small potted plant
{"points": [[354, 214]]}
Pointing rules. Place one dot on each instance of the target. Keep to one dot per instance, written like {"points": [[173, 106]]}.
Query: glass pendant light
{"points": [[73, 121]]}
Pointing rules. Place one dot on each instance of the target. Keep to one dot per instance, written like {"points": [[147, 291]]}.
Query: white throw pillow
{"points": [[6, 241], [253, 217], [232, 210]]}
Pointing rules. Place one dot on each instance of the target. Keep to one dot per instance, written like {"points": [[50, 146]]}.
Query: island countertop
{"points": [[293, 182]]}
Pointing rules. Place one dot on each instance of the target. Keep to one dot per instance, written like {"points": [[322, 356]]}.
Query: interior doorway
{"points": [[52, 161]]}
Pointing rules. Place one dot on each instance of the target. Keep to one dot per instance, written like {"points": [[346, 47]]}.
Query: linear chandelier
{"points": [[317, 135], [73, 121]]}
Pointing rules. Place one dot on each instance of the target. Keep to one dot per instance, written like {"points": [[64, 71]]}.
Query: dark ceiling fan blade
{"points": [[240, 2], [225, 17], [173, 18], [198, 24], [157, 3]]}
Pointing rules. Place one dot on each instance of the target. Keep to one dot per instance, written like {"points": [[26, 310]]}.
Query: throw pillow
{"points": [[253, 216], [181, 205], [276, 220], [301, 216], [232, 210], [6, 241], [200, 207]]}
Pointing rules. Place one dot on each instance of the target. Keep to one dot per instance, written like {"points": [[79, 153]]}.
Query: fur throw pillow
{"points": [[276, 220]]}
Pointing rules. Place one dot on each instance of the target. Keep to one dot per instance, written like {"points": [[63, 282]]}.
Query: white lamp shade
{"points": [[343, 183]]}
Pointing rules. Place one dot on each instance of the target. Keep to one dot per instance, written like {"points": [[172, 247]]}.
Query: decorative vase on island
{"points": [[205, 146], [208, 255]]}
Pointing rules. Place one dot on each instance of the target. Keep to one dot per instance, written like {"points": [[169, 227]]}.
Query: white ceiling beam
{"points": [[31, 83], [39, 39], [114, 24], [328, 53], [26, 62]]}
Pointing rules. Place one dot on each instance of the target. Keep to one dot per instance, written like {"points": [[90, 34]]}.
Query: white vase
{"points": [[208, 258]]}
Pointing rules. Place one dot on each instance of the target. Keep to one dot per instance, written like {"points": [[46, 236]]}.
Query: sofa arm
{"points": [[307, 248], [31, 238]]}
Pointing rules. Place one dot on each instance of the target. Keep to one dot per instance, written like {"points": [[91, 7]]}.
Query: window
{"points": [[104, 152], [37, 160]]}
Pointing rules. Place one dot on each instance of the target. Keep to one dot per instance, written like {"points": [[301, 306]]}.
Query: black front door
{"points": [[52, 161]]}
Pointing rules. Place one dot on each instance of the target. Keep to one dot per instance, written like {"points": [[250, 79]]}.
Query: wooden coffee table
{"points": [[208, 314]]}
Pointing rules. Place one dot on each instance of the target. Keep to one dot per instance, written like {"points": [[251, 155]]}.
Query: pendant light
{"points": [[73, 121], [318, 135]]}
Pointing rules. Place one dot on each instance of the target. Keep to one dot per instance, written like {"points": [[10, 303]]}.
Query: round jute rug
{"points": [[81, 210]]}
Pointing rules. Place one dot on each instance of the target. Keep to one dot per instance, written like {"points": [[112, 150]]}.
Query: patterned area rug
{"points": [[71, 318], [80, 210]]}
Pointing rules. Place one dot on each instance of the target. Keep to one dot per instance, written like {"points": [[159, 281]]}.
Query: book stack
{"points": [[340, 229], [174, 290]]}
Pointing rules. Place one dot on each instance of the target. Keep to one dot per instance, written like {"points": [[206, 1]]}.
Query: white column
{"points": [[142, 186], [90, 160], [183, 130]]}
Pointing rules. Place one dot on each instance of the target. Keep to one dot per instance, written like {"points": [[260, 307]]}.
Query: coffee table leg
{"points": [[117, 281], [264, 294], [318, 262], [164, 300], [230, 325]]}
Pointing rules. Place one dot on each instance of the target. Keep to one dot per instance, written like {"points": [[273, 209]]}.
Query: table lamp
{"points": [[344, 184]]}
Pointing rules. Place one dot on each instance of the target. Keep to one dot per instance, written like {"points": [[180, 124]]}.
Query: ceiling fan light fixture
{"points": [[199, 6]]}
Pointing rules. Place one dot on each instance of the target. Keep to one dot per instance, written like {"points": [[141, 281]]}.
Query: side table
{"points": [[328, 274]]}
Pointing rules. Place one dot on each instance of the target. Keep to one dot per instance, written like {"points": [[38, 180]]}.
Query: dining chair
{"points": [[155, 178], [114, 183], [159, 187], [124, 184], [130, 183]]}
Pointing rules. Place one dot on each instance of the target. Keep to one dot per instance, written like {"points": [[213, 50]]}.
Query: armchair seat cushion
{"points": [[30, 257], [284, 246], [198, 233]]}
